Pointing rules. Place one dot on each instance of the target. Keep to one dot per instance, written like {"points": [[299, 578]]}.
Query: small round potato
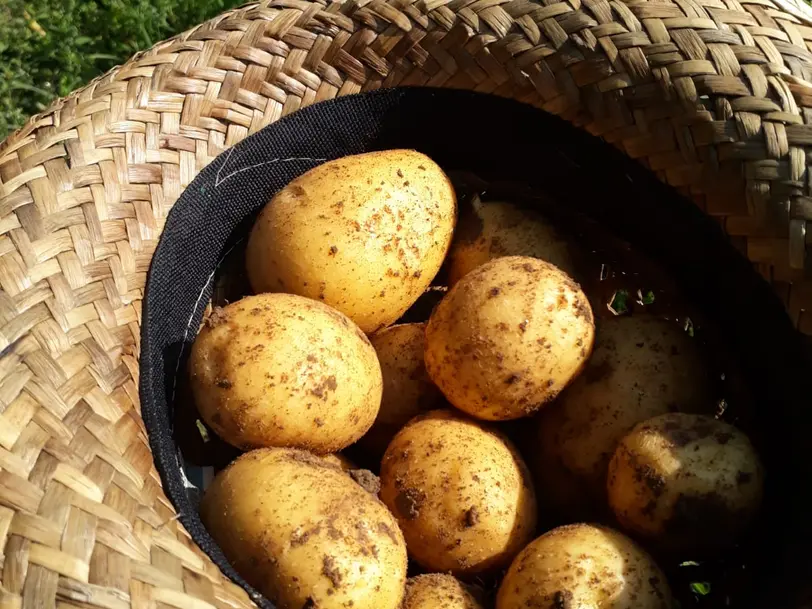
{"points": [[461, 493], [304, 533], [584, 566], [437, 591], [496, 228], [407, 388], [686, 482], [282, 370], [365, 234], [641, 367], [508, 338]]}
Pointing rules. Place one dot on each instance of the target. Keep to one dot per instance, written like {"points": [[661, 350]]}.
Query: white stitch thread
{"points": [[194, 310], [218, 180]]}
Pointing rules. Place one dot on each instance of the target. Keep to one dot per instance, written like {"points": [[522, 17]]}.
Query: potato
{"points": [[407, 388], [365, 234], [686, 482], [508, 338], [282, 370], [461, 493], [304, 534], [641, 367], [583, 566], [437, 591], [497, 228]]}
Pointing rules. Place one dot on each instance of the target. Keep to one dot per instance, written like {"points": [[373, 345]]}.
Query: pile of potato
{"points": [[312, 364]]}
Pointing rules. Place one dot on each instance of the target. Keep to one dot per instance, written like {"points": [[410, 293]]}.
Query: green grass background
{"points": [[48, 48]]}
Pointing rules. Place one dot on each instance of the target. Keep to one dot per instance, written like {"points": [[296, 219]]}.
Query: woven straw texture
{"points": [[715, 96]]}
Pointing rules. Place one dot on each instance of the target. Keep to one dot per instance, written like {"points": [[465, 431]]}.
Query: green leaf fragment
{"points": [[689, 563], [689, 327], [701, 588], [201, 428], [646, 298], [619, 304]]}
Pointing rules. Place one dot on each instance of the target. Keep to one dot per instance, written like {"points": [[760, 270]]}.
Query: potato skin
{"points": [[584, 566], [492, 229], [686, 482], [407, 388], [641, 367], [340, 461], [437, 591], [365, 234], [508, 338], [461, 493], [363, 477], [303, 532], [282, 370]]}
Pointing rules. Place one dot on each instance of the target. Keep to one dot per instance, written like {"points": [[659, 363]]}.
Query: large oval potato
{"points": [[584, 566], [461, 493], [282, 370], [508, 338], [365, 234], [492, 229], [686, 482], [304, 534], [407, 388], [641, 367], [437, 591]]}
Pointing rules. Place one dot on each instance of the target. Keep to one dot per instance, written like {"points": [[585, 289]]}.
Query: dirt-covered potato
{"points": [[282, 370], [584, 566], [437, 591], [365, 234], [641, 367], [492, 229], [461, 493], [685, 481], [304, 534], [508, 338], [407, 388]]}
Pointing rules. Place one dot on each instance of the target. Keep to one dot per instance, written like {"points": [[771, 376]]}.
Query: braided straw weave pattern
{"points": [[712, 95]]}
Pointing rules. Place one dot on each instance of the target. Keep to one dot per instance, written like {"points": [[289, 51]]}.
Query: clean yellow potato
{"points": [[498, 228], [641, 367], [583, 566], [461, 493], [508, 338], [304, 534], [365, 234], [437, 591], [686, 482], [282, 370], [407, 388]]}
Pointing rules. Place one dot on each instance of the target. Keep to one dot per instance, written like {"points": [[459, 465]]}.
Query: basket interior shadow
{"points": [[501, 141]]}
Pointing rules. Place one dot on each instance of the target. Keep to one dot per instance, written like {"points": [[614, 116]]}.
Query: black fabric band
{"points": [[500, 140]]}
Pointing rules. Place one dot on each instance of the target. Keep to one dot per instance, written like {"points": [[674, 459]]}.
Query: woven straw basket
{"points": [[715, 96]]}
